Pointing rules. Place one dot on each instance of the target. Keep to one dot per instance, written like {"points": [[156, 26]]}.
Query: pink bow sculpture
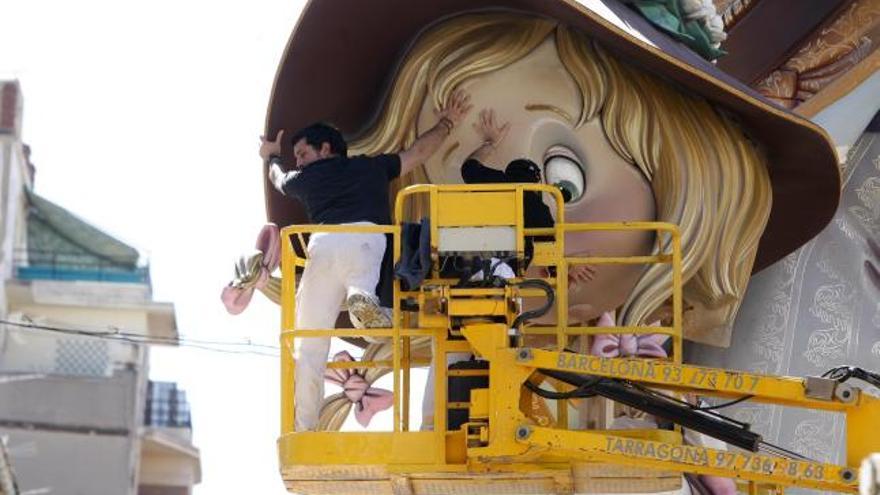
{"points": [[252, 271], [627, 344], [367, 400], [648, 345]]}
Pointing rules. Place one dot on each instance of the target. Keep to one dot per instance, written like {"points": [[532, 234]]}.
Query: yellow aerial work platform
{"points": [[503, 449]]}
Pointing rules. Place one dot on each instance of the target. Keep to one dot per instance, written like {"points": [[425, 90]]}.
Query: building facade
{"points": [[77, 316]]}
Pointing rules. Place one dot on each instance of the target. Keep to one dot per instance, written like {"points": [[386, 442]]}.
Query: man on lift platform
{"points": [[340, 190]]}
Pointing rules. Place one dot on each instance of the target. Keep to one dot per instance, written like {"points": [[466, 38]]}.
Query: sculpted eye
{"points": [[562, 169]]}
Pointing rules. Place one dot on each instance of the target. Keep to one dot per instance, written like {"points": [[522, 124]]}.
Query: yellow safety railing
{"points": [[401, 361], [562, 263], [563, 330]]}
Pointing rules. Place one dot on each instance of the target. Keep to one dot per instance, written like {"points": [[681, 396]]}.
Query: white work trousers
{"points": [[339, 265]]}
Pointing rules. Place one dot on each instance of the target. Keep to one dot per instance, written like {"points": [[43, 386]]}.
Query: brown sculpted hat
{"points": [[343, 54]]}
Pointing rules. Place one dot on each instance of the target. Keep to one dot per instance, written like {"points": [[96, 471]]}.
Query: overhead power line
{"points": [[115, 334]]}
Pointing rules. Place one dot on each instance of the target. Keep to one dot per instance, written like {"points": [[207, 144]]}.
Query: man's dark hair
{"points": [[319, 133]]}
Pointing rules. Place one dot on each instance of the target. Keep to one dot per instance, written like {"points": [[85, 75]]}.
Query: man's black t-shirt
{"points": [[345, 190]]}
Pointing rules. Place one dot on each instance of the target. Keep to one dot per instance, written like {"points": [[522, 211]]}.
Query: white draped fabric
{"points": [[817, 308]]}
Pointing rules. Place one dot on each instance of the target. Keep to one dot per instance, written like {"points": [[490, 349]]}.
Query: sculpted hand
{"points": [[581, 273], [268, 148], [456, 108]]}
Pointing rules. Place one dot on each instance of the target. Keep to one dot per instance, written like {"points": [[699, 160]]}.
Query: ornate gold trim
{"points": [[735, 11], [841, 86], [830, 62]]}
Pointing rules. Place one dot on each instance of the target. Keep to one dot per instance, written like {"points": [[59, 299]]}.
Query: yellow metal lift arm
{"points": [[513, 438], [499, 440]]}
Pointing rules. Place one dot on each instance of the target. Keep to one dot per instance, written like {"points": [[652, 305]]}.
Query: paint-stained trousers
{"points": [[339, 265]]}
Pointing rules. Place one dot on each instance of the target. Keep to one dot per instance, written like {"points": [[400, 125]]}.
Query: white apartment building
{"points": [[77, 410]]}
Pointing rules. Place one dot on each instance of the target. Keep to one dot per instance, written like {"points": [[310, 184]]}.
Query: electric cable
{"points": [[113, 330], [844, 373], [141, 339], [538, 312], [709, 410], [664, 407], [702, 420], [725, 404], [581, 392]]}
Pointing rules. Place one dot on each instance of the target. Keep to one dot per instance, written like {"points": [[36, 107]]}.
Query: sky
{"points": [[143, 118]]}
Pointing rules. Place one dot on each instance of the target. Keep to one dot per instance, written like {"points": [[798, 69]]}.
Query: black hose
{"points": [[624, 392], [844, 373], [581, 392], [536, 313]]}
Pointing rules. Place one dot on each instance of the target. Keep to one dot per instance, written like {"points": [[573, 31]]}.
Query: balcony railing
{"points": [[166, 406], [55, 265]]}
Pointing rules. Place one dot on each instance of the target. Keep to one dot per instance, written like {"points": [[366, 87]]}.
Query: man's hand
{"points": [[490, 133], [456, 108], [488, 128], [428, 143], [269, 149]]}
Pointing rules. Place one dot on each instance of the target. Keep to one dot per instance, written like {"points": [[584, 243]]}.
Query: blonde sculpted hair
{"points": [[706, 176]]}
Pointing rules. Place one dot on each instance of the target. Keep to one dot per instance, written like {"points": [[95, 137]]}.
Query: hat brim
{"points": [[343, 53]]}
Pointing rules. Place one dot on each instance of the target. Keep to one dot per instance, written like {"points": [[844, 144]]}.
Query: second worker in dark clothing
{"points": [[536, 214]]}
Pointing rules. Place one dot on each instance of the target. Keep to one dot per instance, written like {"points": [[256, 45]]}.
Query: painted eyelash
{"points": [[559, 150]]}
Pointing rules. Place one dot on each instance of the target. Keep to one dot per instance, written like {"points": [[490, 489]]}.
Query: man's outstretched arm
{"points": [[474, 170], [269, 150], [428, 143], [279, 177]]}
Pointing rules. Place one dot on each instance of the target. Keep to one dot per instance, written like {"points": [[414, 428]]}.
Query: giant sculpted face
{"points": [[634, 147], [541, 102]]}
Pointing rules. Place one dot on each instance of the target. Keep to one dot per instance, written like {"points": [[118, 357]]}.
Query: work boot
{"points": [[365, 312]]}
